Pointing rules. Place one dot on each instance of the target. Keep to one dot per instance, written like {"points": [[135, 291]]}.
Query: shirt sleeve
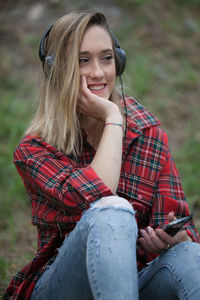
{"points": [[170, 197], [58, 188]]}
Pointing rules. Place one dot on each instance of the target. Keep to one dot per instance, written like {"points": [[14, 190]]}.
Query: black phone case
{"points": [[173, 227]]}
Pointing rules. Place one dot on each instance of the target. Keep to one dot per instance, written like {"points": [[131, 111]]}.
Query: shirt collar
{"points": [[138, 118]]}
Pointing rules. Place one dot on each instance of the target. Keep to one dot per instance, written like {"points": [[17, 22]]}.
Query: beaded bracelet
{"points": [[118, 124]]}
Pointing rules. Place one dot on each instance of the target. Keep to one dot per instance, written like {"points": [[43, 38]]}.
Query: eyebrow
{"points": [[103, 51]]}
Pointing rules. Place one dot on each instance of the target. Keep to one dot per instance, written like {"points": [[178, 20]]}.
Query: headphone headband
{"points": [[120, 62]]}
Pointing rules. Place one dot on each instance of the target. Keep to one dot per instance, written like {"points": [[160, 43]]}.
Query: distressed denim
{"points": [[98, 261], [175, 274]]}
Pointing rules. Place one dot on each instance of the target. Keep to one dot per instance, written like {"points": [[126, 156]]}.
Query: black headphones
{"points": [[120, 61]]}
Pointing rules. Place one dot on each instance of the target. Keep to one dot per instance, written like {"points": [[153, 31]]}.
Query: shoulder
{"points": [[143, 124], [136, 112]]}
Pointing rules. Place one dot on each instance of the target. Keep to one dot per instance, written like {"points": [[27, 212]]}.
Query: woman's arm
{"points": [[108, 158], [61, 188], [58, 187]]}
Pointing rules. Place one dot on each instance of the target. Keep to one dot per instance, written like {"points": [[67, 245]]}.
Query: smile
{"points": [[96, 87]]}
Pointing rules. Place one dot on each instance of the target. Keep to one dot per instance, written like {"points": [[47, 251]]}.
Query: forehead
{"points": [[96, 37]]}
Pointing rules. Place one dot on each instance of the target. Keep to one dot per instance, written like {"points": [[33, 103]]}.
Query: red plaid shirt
{"points": [[61, 187]]}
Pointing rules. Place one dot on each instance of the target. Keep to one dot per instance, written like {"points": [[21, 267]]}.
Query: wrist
{"points": [[114, 124], [113, 114], [114, 118]]}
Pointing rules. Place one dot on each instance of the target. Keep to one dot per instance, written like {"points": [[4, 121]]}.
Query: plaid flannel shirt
{"points": [[61, 187]]}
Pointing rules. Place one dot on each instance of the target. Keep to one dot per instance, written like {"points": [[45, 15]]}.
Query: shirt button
{"points": [[139, 196]]}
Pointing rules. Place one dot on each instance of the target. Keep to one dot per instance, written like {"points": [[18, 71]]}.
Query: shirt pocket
{"points": [[140, 192]]}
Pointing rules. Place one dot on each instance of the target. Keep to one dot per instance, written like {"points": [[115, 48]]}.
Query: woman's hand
{"points": [[156, 241], [97, 107]]}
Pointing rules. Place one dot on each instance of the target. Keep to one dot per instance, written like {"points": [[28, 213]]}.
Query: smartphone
{"points": [[173, 227]]}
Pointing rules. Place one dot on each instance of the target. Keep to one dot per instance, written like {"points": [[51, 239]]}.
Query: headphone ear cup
{"points": [[49, 60], [47, 64], [120, 61]]}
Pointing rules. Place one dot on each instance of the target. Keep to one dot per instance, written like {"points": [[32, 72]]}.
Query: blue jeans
{"points": [[98, 261]]}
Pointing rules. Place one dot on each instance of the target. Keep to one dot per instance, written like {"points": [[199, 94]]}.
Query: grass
{"points": [[162, 72], [14, 116]]}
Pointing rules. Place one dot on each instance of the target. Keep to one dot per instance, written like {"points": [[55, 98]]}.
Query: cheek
{"points": [[83, 70], [112, 77], [114, 73]]}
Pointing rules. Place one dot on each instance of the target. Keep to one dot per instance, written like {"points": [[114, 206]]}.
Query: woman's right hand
{"points": [[97, 107]]}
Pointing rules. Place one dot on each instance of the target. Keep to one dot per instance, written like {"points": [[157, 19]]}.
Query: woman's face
{"points": [[96, 61]]}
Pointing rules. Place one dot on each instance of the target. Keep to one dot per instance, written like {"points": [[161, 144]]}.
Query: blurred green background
{"points": [[162, 41]]}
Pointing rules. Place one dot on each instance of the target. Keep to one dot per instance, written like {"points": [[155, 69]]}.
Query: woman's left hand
{"points": [[157, 240]]}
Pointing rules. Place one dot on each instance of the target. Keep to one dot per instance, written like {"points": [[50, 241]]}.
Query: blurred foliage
{"points": [[188, 3], [179, 3]]}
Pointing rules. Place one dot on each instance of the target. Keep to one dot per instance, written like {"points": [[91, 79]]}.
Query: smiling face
{"points": [[96, 61]]}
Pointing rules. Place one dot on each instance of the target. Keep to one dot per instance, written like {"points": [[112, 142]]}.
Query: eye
{"points": [[83, 60], [108, 57]]}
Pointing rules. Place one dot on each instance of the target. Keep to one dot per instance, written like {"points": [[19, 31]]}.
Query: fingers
{"points": [[84, 92], [158, 240], [181, 236], [84, 87], [151, 241], [95, 106], [83, 81], [171, 216], [84, 96]]}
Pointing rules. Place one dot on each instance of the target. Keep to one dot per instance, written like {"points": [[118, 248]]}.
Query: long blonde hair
{"points": [[56, 119]]}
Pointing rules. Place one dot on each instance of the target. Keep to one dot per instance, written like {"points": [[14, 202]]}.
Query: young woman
{"points": [[97, 175]]}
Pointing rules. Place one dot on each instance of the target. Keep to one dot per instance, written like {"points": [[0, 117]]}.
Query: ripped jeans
{"points": [[98, 261]]}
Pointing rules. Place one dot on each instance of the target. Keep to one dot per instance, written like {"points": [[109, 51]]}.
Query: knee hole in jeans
{"points": [[115, 201]]}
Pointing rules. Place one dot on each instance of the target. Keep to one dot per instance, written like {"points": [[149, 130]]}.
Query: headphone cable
{"points": [[125, 131]]}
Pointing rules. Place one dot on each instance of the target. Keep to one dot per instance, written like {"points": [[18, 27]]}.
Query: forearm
{"points": [[108, 158]]}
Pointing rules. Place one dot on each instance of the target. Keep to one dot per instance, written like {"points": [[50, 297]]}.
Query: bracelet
{"points": [[117, 124]]}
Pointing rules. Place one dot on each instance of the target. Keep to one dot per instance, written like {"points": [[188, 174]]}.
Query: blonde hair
{"points": [[56, 119]]}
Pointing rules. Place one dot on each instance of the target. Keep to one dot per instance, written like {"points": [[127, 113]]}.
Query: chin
{"points": [[103, 95], [106, 95]]}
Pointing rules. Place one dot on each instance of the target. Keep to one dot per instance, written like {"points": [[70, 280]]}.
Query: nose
{"points": [[96, 70]]}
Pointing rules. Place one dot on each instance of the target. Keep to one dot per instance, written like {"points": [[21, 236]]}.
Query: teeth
{"points": [[96, 87]]}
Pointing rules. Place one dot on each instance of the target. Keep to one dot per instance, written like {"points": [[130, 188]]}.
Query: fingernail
{"points": [[159, 231], [142, 232], [149, 229]]}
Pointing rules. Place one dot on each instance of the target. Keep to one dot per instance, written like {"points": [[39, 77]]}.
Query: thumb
{"points": [[171, 216]]}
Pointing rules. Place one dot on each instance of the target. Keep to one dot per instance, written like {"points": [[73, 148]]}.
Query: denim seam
{"points": [[177, 278], [173, 271], [94, 278], [91, 264]]}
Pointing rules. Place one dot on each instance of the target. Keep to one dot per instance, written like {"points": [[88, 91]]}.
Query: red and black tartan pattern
{"points": [[61, 187]]}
